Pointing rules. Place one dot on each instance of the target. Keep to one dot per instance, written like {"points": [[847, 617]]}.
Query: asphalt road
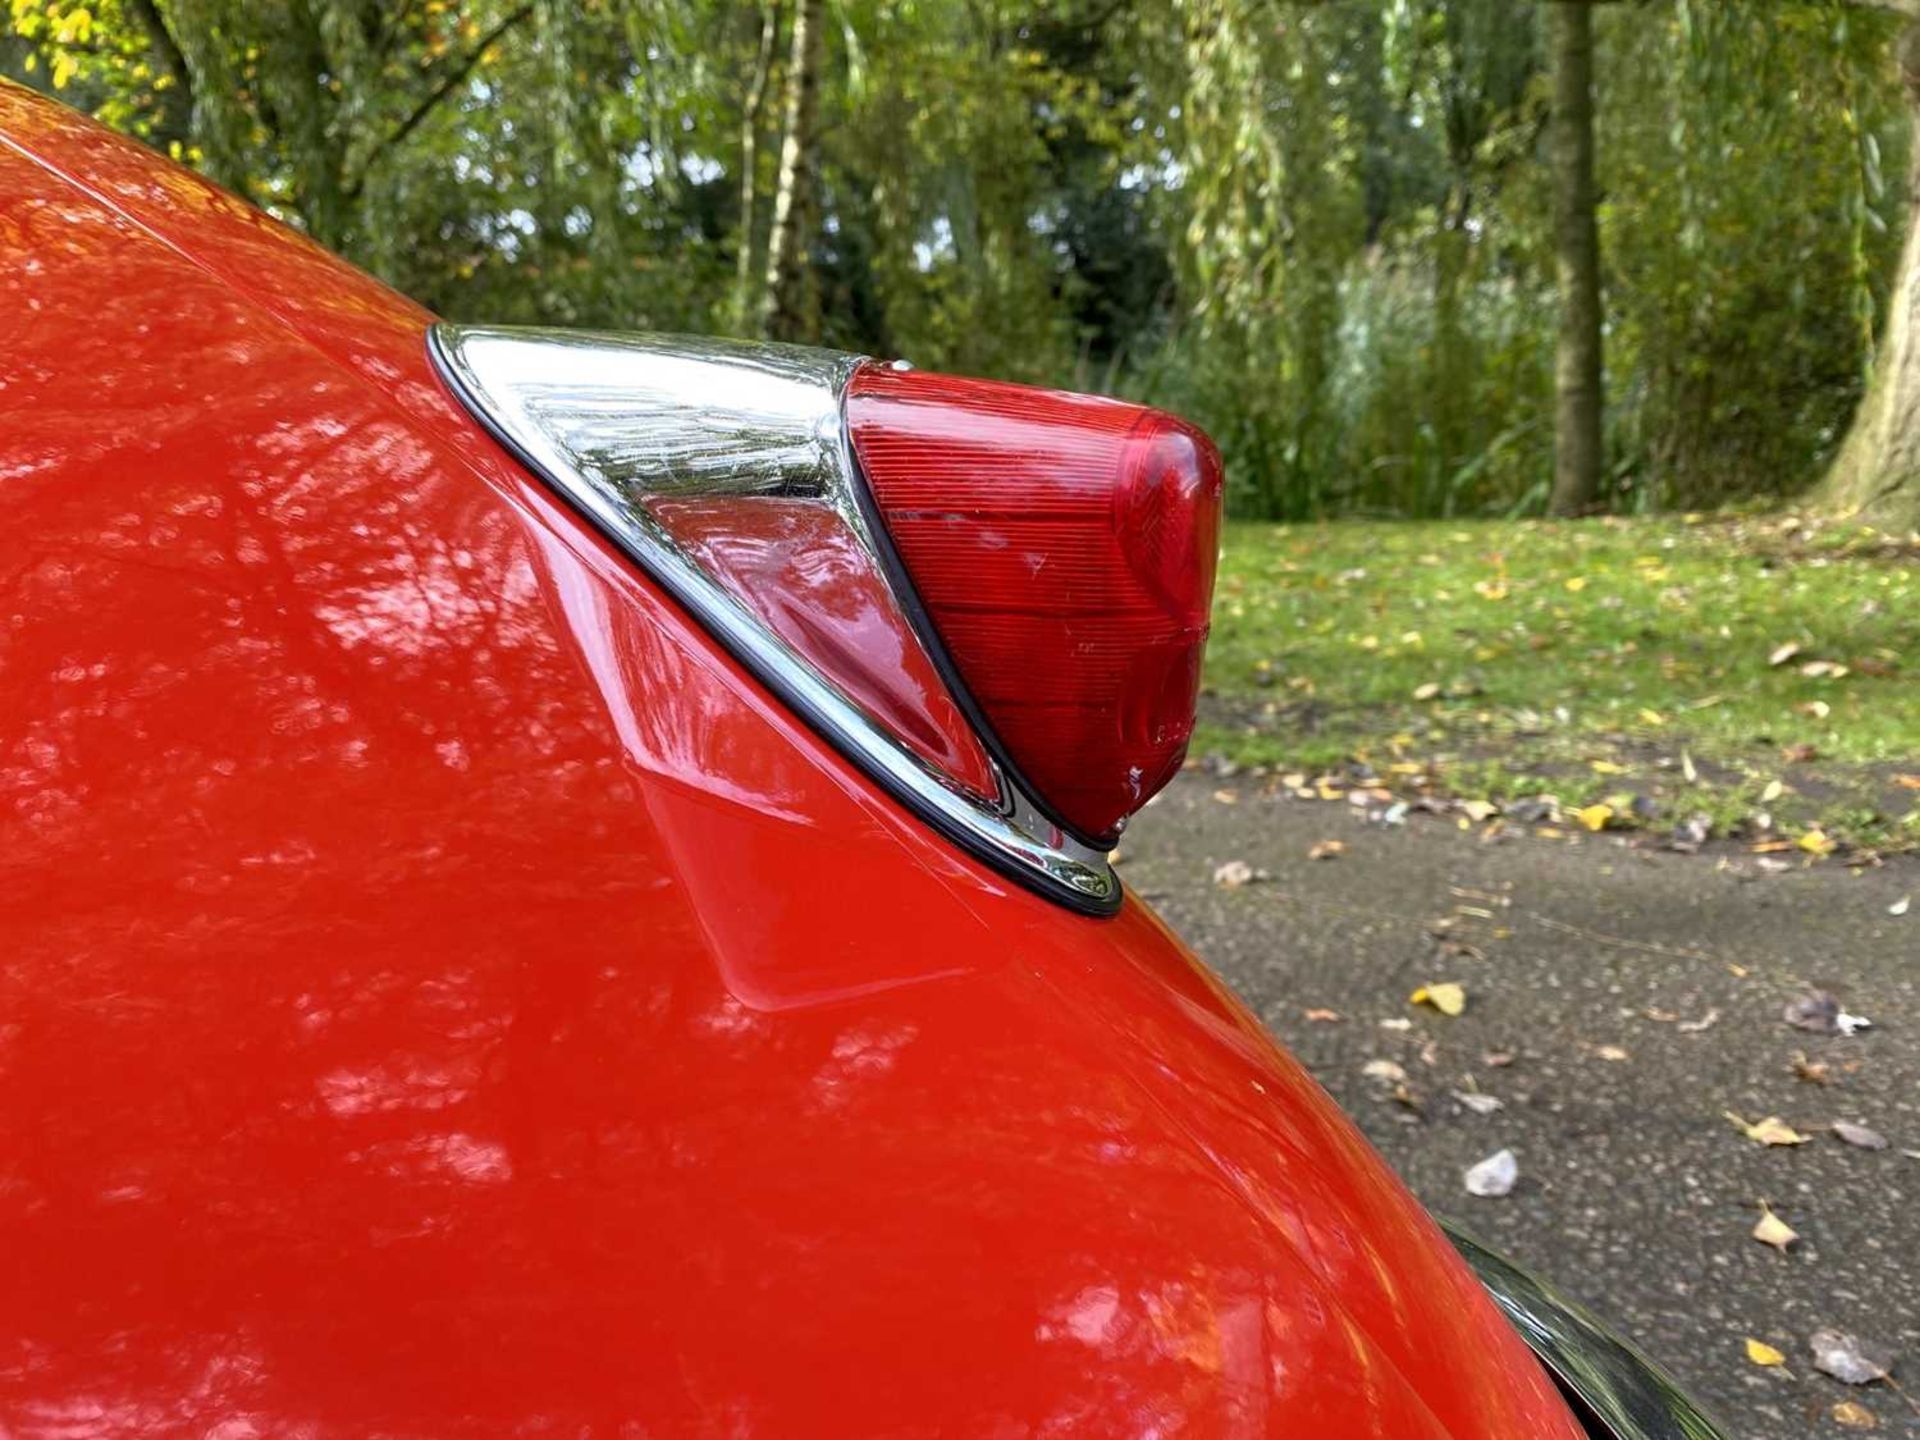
{"points": [[1640, 996]]}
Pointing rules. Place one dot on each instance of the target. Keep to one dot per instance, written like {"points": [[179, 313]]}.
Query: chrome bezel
{"points": [[1616, 1386], [720, 417]]}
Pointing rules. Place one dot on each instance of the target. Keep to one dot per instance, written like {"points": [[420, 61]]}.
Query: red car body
{"points": [[442, 995]]}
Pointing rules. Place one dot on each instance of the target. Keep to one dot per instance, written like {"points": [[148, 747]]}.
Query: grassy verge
{"points": [[1762, 673]]}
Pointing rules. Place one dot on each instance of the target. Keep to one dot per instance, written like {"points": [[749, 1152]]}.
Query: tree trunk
{"points": [[786, 310], [176, 102], [1577, 454], [750, 163], [1877, 472]]}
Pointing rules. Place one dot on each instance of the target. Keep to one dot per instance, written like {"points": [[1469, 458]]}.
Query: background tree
{"points": [[746, 244], [1578, 455], [1326, 230], [785, 310], [1877, 471]]}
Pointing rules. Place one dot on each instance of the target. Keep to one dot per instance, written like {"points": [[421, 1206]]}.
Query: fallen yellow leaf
{"points": [[1854, 1415], [1607, 767], [1594, 817], [1761, 1353], [1772, 1230], [1770, 1131], [1445, 996], [1816, 842]]}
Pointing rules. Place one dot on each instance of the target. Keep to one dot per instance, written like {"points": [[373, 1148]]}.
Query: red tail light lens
{"points": [[1064, 548]]}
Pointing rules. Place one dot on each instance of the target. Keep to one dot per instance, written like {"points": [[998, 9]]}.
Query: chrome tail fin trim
{"points": [[613, 421]]}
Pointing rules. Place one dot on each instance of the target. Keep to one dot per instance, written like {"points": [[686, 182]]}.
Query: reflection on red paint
{"points": [[797, 565]]}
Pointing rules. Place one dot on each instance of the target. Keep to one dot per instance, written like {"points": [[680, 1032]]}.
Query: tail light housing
{"points": [[1064, 548], [991, 598]]}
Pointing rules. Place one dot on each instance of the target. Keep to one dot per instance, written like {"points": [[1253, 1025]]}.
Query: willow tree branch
{"points": [[452, 81]]}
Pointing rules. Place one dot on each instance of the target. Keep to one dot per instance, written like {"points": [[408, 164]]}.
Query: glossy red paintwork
{"points": [[441, 996]]}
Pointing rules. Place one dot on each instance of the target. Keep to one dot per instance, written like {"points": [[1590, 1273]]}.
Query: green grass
{"points": [[1592, 659]]}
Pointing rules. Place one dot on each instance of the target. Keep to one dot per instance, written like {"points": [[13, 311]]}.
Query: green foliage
{"points": [[1751, 229], [1377, 164], [1579, 657], [1322, 229]]}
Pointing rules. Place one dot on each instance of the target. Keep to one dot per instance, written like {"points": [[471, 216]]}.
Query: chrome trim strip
{"points": [[607, 420], [1620, 1389]]}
